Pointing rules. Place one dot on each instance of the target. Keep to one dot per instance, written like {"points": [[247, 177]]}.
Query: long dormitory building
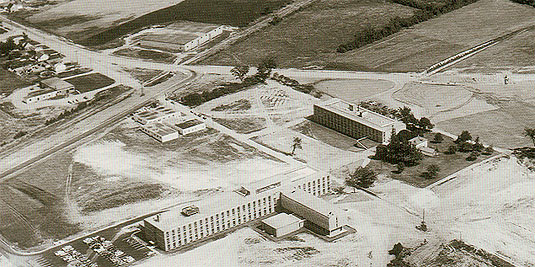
{"points": [[183, 225], [352, 120]]}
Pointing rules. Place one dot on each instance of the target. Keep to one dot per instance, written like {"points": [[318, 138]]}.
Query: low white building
{"points": [[419, 142], [156, 114], [190, 126], [160, 131], [40, 95], [282, 224]]}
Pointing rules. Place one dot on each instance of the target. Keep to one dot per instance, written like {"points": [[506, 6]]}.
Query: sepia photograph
{"points": [[229, 133]]}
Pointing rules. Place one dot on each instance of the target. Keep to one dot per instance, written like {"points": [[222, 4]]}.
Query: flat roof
{"points": [[38, 93], [153, 113], [310, 201], [56, 83], [288, 177], [171, 38], [281, 220], [194, 27], [188, 124], [357, 113], [207, 207], [160, 129]]}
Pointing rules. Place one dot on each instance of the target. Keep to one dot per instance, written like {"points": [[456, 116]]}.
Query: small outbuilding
{"points": [[419, 142], [282, 224]]}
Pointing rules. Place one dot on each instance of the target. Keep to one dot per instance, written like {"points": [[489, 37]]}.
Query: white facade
{"points": [[282, 224], [419, 142], [37, 98], [157, 114], [190, 126], [161, 132], [171, 229], [202, 39]]}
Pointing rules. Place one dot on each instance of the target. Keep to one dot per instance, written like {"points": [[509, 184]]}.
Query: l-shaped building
{"points": [[296, 192]]}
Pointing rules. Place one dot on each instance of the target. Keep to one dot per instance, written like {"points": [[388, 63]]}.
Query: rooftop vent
{"points": [[190, 210]]}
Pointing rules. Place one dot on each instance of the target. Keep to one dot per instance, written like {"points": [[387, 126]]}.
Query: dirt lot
{"points": [[353, 90], [90, 82], [121, 174], [295, 44]]}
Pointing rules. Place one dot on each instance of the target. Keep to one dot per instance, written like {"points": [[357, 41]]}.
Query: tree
{"points": [[265, 67], [478, 146], [463, 137], [240, 72], [400, 167], [431, 171], [438, 138], [297, 143], [425, 124], [473, 156], [488, 150], [398, 150], [362, 177], [530, 132], [466, 147]]}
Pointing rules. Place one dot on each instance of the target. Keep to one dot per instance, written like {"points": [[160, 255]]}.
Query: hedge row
{"points": [[525, 2], [425, 12]]}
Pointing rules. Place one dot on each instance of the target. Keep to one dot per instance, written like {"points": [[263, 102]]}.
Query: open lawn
{"points": [[448, 164], [10, 82], [146, 54], [90, 82], [311, 36], [353, 90], [429, 42]]}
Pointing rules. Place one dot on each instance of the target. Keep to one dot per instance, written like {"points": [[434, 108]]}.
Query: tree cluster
{"points": [[465, 144], [263, 72], [7, 46], [426, 11], [419, 126], [399, 150], [525, 2], [362, 177], [399, 252], [431, 171], [304, 88]]}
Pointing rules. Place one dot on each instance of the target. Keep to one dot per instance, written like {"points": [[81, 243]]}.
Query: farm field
{"points": [[439, 38], [121, 174], [353, 90], [294, 43], [90, 82], [158, 56], [115, 24], [512, 54]]}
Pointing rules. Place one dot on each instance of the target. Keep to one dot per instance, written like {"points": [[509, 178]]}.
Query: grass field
{"points": [[143, 75], [311, 36], [514, 53], [146, 54], [503, 127], [90, 82], [243, 125], [353, 90], [434, 40], [226, 12], [10, 82], [448, 164]]}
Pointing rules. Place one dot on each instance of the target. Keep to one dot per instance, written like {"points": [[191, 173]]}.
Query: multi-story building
{"points": [[355, 121], [188, 223]]}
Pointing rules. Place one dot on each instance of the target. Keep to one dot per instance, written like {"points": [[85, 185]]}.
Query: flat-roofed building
{"points": [[282, 224], [175, 228], [159, 114], [160, 131], [355, 121], [40, 95], [182, 36], [321, 216], [57, 84], [190, 126]]}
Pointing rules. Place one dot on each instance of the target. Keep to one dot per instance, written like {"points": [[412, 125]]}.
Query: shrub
{"points": [[451, 150], [438, 138], [473, 156], [431, 171], [488, 150]]}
